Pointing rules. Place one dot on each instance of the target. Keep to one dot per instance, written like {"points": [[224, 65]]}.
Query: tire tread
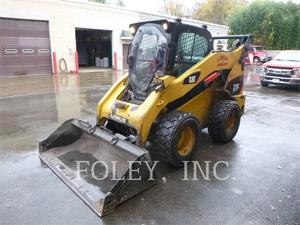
{"points": [[164, 132], [217, 118]]}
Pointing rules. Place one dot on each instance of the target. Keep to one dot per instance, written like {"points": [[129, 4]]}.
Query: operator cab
{"points": [[164, 47]]}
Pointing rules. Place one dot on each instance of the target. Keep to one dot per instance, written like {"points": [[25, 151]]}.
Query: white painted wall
{"points": [[66, 15], [215, 29]]}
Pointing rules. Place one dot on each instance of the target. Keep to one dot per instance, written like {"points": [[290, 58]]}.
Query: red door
{"points": [[125, 52]]}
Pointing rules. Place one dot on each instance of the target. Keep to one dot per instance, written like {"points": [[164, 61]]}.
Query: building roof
{"points": [[126, 35]]}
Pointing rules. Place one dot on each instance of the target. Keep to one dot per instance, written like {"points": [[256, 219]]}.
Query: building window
{"points": [[27, 51], [11, 51]]}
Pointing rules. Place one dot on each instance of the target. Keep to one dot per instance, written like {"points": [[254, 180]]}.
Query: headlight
{"points": [[264, 69], [132, 29], [165, 26], [296, 72]]}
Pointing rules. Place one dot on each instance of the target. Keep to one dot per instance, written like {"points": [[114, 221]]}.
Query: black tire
{"points": [[219, 118], [264, 84], [167, 133], [256, 60]]}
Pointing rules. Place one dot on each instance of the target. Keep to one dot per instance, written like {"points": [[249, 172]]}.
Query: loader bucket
{"points": [[102, 169]]}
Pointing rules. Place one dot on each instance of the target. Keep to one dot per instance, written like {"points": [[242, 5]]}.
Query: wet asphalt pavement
{"points": [[264, 171]]}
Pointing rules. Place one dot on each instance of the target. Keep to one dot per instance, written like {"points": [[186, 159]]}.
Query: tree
{"points": [[276, 25], [120, 3], [216, 11], [174, 8]]}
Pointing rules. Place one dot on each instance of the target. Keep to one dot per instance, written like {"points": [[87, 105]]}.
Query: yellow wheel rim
{"points": [[230, 121], [186, 141]]}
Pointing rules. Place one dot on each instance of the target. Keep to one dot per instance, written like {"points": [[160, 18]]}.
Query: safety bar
{"points": [[245, 38]]}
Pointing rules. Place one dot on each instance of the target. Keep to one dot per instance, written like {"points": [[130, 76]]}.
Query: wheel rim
{"points": [[186, 141], [231, 121]]}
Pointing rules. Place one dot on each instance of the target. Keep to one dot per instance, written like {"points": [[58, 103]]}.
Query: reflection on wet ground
{"points": [[251, 75], [263, 187], [22, 85], [27, 104], [26, 85]]}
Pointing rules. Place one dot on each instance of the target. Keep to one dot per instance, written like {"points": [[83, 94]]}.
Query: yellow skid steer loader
{"points": [[177, 84]]}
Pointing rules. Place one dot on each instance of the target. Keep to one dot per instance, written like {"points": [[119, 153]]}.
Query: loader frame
{"points": [[169, 113], [178, 93]]}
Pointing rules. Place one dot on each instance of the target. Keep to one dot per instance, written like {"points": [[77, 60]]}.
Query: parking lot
{"points": [[263, 185]]}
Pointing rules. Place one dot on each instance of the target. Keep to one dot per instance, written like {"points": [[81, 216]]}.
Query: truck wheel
{"points": [[224, 121], [256, 60], [264, 84], [176, 137]]}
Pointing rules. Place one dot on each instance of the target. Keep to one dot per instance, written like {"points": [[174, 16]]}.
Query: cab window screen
{"points": [[200, 48], [191, 49], [147, 47]]}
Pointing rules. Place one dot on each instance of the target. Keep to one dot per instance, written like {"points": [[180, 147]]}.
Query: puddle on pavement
{"points": [[36, 105], [25, 85], [31, 108], [251, 74]]}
